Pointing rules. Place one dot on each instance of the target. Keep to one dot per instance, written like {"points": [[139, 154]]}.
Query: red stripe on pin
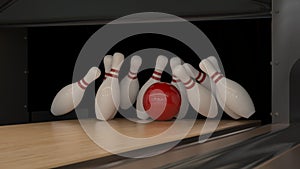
{"points": [[156, 78], [191, 86], [214, 75], [114, 70], [157, 73], [203, 78], [81, 86], [219, 78], [132, 77], [84, 82], [186, 83], [176, 81], [198, 76], [132, 73], [111, 75]]}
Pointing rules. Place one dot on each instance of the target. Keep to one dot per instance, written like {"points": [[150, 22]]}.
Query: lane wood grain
{"points": [[59, 143]]}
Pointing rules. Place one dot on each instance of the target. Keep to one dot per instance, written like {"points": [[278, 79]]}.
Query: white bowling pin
{"points": [[161, 63], [107, 61], [70, 96], [227, 110], [200, 98], [235, 96], [108, 95], [203, 79], [129, 85], [175, 61]]}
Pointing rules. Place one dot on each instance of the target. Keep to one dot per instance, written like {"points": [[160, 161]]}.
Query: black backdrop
{"points": [[244, 47]]}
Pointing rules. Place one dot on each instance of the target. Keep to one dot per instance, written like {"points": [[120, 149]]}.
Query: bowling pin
{"points": [[200, 98], [107, 61], [129, 85], [203, 79], [175, 61], [236, 98], [161, 63], [71, 95], [108, 95]]}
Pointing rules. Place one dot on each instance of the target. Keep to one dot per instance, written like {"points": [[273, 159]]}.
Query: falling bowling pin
{"points": [[175, 61], [161, 63], [235, 96], [71, 95], [129, 86], [108, 95], [200, 98], [203, 79]]}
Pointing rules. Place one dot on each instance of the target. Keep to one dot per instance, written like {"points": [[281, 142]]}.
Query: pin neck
{"points": [[114, 70], [114, 73], [105, 75], [132, 75], [216, 77], [201, 77], [82, 84], [189, 84], [134, 69], [107, 70], [156, 74], [111, 75], [175, 79]]}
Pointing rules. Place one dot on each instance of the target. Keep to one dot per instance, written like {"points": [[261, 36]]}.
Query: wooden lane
{"points": [[53, 144], [45, 145]]}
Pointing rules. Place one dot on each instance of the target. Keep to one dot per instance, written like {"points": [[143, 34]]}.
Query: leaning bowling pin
{"points": [[200, 98], [203, 79], [108, 95], [71, 95], [107, 61], [227, 110], [175, 61], [129, 85], [236, 98], [161, 63]]}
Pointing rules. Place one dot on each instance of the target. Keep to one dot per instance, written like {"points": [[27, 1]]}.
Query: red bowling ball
{"points": [[162, 101]]}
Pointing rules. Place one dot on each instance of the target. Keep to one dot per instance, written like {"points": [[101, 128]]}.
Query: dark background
{"points": [[244, 47]]}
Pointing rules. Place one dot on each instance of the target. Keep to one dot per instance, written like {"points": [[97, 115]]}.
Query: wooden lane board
{"points": [[53, 144]]}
